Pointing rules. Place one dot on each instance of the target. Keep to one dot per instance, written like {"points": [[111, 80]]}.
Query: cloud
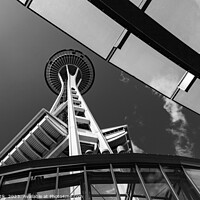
{"points": [[110, 191], [175, 111], [165, 84], [136, 149], [182, 144], [178, 126], [123, 78]]}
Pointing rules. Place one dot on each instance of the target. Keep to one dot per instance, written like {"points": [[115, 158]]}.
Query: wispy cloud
{"points": [[123, 78], [110, 191], [179, 126], [183, 146], [165, 84], [175, 111]]}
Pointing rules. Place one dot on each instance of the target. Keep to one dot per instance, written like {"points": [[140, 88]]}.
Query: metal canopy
{"points": [[141, 25]]}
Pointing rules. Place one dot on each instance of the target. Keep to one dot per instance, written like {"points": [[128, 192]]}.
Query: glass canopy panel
{"points": [[43, 183], [146, 64], [101, 184], [191, 98], [180, 183], [128, 183], [156, 184], [14, 184], [81, 20], [180, 17], [194, 175]]}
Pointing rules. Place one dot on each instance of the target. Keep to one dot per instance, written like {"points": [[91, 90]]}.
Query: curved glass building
{"points": [[100, 177]]}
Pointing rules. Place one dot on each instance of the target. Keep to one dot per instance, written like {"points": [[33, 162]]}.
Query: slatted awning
{"points": [[38, 139]]}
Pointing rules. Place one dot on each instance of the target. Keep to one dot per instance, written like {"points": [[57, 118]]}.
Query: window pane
{"points": [[70, 192], [14, 184], [70, 184], [194, 175], [146, 64], [181, 185], [156, 184], [101, 184], [180, 17], [81, 20], [43, 183], [128, 183], [191, 98]]}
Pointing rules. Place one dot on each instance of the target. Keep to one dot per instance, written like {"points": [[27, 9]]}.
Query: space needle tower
{"points": [[69, 128], [70, 74]]}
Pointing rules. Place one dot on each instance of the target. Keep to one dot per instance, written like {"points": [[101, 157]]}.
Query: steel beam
{"points": [[144, 27]]}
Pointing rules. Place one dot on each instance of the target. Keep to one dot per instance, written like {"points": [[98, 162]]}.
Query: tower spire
{"points": [[80, 122]]}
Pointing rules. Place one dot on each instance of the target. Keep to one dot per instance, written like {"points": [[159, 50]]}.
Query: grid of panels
{"points": [[84, 22]]}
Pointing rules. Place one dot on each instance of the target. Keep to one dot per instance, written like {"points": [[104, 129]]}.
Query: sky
{"points": [[156, 124]]}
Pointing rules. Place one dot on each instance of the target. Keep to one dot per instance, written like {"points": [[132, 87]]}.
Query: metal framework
{"points": [[112, 176], [138, 23]]}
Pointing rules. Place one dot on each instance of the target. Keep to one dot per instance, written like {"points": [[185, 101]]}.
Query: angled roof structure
{"points": [[118, 31]]}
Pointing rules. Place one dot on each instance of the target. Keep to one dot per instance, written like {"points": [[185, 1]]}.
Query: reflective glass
{"points": [[103, 189], [146, 64], [101, 184], [180, 17], [185, 83], [194, 175], [191, 98], [156, 184], [132, 190], [69, 192], [128, 183], [43, 184], [181, 185], [14, 184], [69, 184], [82, 21]]}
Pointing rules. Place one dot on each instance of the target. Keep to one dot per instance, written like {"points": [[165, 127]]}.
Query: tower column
{"points": [[102, 143], [74, 143]]}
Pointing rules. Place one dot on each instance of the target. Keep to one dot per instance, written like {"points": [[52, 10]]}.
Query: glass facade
{"points": [[82, 21], [194, 174], [180, 17], [103, 34], [190, 98], [128, 176], [146, 64]]}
